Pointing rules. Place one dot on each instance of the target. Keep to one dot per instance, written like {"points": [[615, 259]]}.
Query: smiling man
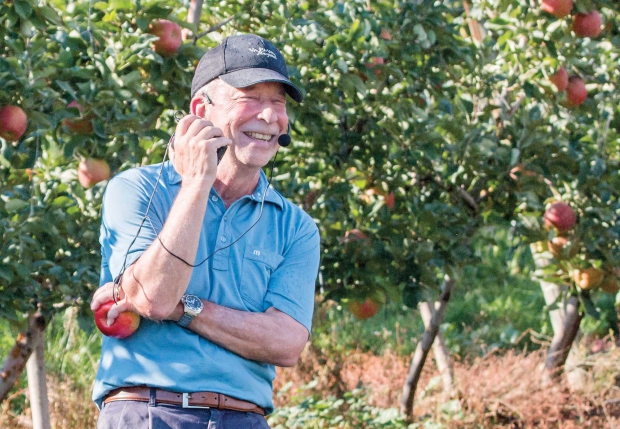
{"points": [[221, 267]]}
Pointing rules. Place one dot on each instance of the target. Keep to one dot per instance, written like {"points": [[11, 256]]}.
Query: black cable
{"points": [[148, 207]]}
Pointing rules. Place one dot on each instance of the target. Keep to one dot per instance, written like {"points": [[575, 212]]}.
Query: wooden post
{"points": [[37, 386], [424, 346], [440, 350]]}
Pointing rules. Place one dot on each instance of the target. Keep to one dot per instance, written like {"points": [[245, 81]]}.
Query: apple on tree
{"points": [[170, 37], [124, 325], [92, 171], [13, 122], [557, 8], [589, 278], [560, 216], [587, 24], [563, 247], [363, 309], [560, 79], [81, 124], [576, 92], [611, 284]]}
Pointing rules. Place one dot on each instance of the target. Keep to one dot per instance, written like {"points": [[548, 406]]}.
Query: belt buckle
{"points": [[186, 398]]}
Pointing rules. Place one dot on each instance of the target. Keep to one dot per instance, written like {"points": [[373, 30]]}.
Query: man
{"points": [[222, 268]]}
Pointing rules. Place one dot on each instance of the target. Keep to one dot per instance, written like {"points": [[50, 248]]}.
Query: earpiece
{"points": [[285, 139]]}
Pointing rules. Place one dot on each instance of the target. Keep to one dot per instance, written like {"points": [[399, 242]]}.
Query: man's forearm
{"points": [[272, 337], [156, 282]]}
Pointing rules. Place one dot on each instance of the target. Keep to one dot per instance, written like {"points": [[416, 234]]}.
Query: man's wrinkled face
{"points": [[252, 117]]}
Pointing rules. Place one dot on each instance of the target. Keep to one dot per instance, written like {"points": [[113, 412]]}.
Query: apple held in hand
{"points": [[92, 171], [13, 123], [364, 310], [170, 37], [124, 325]]}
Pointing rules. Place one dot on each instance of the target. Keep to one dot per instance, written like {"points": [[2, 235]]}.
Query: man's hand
{"points": [[194, 152], [105, 294]]}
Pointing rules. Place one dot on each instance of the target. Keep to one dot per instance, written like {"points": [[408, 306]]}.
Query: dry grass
{"points": [[495, 391]]}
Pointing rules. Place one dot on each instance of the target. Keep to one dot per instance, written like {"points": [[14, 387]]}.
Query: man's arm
{"points": [[155, 283]]}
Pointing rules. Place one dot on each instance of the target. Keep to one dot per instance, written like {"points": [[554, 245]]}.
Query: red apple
{"points": [[13, 122], [576, 92], [589, 278], [170, 37], [560, 79], [561, 216], [587, 24], [92, 171], [81, 124], [563, 247], [375, 61], [557, 8], [363, 309], [389, 200], [386, 34], [124, 325]]}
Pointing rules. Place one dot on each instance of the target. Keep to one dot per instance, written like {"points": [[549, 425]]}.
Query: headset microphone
{"points": [[285, 139]]}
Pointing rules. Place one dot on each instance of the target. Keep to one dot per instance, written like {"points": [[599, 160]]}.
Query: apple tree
{"points": [[96, 93]]}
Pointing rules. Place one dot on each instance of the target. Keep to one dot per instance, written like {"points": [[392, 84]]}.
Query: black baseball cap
{"points": [[244, 60]]}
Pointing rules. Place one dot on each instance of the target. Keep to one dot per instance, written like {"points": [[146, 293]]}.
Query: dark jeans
{"points": [[142, 415]]}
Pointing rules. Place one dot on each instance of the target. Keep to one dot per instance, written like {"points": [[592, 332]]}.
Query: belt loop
{"points": [[152, 397]]}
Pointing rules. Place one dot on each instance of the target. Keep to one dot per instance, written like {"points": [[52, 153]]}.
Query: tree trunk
{"points": [[37, 386], [440, 350], [193, 17], [565, 320], [424, 346], [19, 354], [562, 341]]}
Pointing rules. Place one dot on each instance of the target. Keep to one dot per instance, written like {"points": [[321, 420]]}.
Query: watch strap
{"points": [[184, 321]]}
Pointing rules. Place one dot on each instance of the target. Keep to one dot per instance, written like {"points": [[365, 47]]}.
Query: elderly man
{"points": [[220, 266]]}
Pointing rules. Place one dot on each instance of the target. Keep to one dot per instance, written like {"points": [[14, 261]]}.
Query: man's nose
{"points": [[268, 114]]}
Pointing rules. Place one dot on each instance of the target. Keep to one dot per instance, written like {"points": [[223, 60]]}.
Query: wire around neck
{"points": [[147, 217]]}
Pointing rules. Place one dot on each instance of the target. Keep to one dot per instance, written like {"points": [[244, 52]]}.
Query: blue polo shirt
{"points": [[274, 264]]}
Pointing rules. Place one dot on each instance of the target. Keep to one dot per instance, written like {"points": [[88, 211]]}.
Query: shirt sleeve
{"points": [[126, 229], [292, 285]]}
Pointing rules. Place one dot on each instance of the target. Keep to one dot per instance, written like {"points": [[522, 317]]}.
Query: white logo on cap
{"points": [[263, 51]]}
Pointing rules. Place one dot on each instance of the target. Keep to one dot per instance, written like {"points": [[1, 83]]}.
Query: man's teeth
{"points": [[259, 136]]}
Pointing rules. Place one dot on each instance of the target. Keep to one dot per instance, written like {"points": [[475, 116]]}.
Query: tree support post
{"points": [[440, 350], [19, 354], [423, 348], [37, 386]]}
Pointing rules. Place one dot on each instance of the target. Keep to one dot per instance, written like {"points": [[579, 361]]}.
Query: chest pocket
{"points": [[258, 264]]}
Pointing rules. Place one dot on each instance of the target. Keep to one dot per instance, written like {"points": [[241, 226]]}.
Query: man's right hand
{"points": [[194, 152]]}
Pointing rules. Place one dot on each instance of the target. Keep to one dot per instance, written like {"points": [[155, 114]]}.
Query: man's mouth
{"points": [[259, 136]]}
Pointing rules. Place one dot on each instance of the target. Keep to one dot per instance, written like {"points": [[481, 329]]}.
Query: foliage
{"points": [[415, 131]]}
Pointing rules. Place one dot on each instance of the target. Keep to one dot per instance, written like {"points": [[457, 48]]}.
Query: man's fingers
{"points": [[116, 310], [185, 123], [102, 295]]}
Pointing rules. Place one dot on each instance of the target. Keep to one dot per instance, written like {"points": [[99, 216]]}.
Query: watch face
{"points": [[192, 303]]}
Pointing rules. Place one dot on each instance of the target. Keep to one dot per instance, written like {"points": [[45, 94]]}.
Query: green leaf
{"points": [[15, 205], [23, 8]]}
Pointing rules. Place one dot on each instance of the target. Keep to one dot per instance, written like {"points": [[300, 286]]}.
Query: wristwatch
{"points": [[192, 306]]}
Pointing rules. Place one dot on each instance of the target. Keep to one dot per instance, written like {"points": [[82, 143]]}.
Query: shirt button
{"points": [[223, 239], [213, 198]]}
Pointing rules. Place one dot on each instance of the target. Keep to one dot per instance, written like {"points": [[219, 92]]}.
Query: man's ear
{"points": [[198, 106]]}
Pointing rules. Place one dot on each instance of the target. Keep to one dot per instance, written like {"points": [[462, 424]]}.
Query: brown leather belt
{"points": [[187, 400]]}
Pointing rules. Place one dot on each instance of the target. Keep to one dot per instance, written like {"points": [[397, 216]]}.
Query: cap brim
{"points": [[252, 76]]}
